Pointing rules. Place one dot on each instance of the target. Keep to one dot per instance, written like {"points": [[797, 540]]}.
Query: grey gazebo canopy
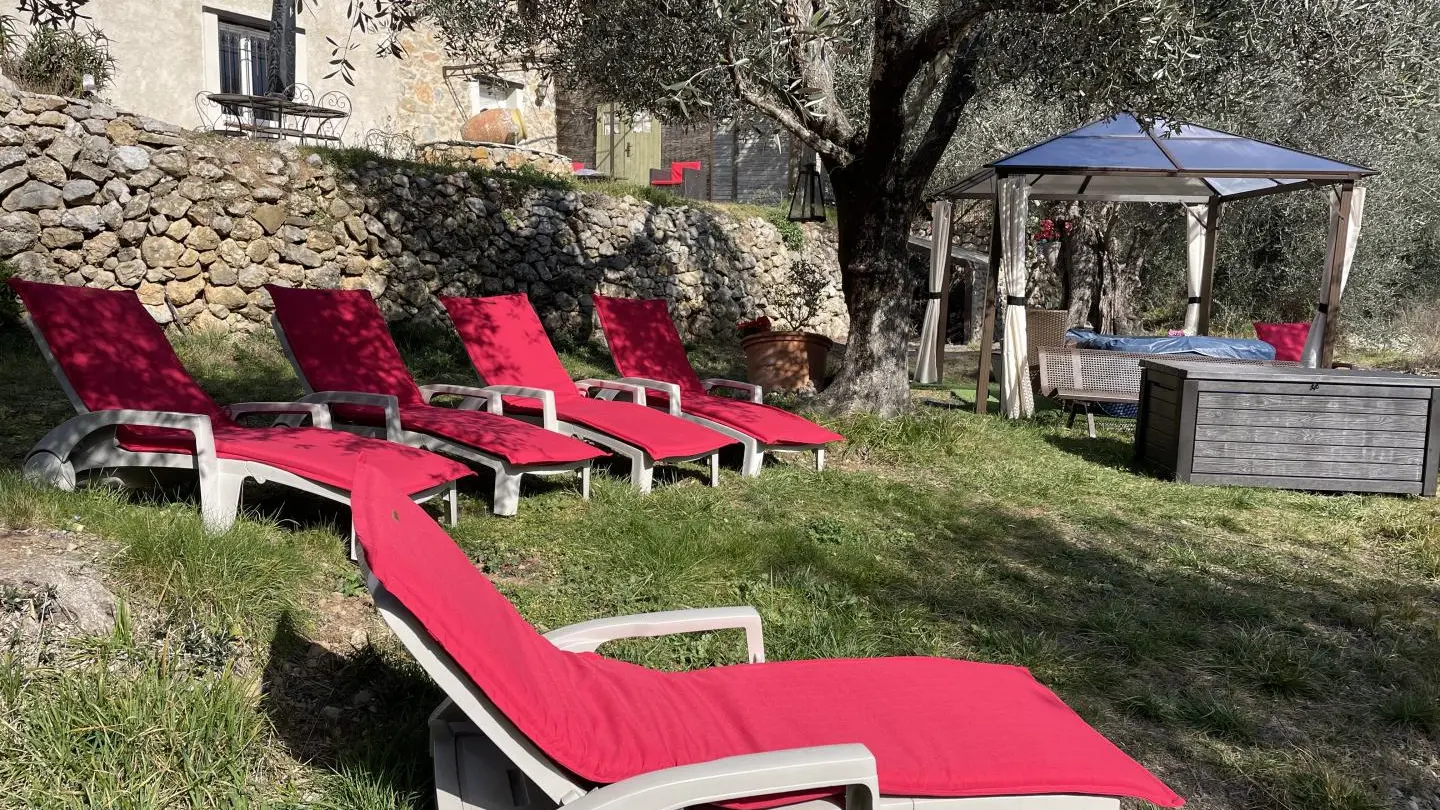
{"points": [[1122, 160]]}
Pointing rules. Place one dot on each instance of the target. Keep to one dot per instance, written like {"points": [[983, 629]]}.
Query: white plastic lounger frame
{"points": [[642, 464], [87, 442], [482, 762], [507, 476], [755, 449]]}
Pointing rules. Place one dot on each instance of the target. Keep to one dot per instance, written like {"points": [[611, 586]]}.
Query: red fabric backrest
{"points": [[112, 352], [507, 343], [643, 341], [341, 343], [1287, 338], [539, 687]]}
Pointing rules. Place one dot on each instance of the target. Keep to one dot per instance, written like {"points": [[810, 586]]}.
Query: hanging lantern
{"points": [[807, 202]]}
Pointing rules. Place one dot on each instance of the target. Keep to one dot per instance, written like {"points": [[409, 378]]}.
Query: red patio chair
{"points": [[532, 721], [648, 352], [343, 353], [139, 408], [508, 346]]}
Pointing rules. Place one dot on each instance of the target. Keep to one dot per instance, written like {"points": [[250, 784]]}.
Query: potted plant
{"points": [[791, 360]]}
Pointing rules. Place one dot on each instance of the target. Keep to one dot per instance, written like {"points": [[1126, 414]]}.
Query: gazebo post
{"points": [[987, 327], [1207, 269], [1334, 274]]}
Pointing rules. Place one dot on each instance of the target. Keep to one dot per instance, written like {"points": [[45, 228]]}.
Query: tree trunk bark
{"points": [[1082, 273], [873, 229]]}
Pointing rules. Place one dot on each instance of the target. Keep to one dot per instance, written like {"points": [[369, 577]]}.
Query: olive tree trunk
{"points": [[873, 231]]}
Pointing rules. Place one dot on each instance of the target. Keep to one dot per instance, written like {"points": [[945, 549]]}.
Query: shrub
{"points": [[790, 232], [54, 60]]}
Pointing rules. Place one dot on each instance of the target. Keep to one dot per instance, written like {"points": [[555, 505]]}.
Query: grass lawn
{"points": [[1256, 649]]}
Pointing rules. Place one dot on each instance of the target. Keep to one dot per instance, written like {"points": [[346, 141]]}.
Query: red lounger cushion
{"points": [[769, 424], [326, 456], [116, 356], [937, 727], [1287, 338], [508, 346], [644, 343], [340, 341], [515, 441]]}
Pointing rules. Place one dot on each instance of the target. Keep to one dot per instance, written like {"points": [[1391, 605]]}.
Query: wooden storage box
{"points": [[1288, 427]]}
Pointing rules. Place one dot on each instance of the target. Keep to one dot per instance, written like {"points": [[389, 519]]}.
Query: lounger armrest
{"points": [[637, 392], [755, 392], [670, 390], [49, 458], [388, 402], [497, 394], [472, 398], [851, 767], [319, 413], [586, 636]]}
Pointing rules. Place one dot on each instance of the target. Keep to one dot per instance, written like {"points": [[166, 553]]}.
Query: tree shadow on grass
{"points": [[1108, 451], [357, 715], [1218, 666]]}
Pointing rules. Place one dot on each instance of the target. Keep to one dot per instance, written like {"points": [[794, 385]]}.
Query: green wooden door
{"points": [[627, 145]]}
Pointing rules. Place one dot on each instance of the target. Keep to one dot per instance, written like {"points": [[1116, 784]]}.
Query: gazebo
{"points": [[1122, 160]]}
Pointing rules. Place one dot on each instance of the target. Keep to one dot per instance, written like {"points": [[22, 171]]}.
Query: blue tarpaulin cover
{"points": [[1227, 348]]}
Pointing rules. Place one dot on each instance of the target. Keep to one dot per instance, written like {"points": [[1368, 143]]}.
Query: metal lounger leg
{"points": [[819, 459]]}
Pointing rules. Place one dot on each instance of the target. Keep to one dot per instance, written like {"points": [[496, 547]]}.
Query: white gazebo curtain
{"points": [[1013, 198], [927, 366], [1195, 236], [1315, 341]]}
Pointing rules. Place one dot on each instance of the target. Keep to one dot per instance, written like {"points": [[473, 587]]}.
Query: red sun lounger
{"points": [[543, 721], [648, 352], [139, 408], [508, 346], [343, 353]]}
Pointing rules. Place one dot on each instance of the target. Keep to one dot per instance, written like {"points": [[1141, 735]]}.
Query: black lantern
{"points": [[807, 202]]}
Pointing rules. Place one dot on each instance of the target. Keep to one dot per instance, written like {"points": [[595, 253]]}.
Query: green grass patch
{"points": [[1259, 648]]}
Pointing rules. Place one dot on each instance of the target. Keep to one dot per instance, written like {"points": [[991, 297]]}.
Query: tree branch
{"points": [[779, 110], [959, 89], [808, 60]]}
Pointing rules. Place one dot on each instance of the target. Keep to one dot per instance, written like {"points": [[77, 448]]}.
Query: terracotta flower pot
{"points": [[786, 361]]}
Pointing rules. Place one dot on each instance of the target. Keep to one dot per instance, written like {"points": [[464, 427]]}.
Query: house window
{"points": [[244, 63], [487, 94]]}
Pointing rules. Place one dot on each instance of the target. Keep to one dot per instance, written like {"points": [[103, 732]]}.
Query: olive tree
{"points": [[878, 88]]}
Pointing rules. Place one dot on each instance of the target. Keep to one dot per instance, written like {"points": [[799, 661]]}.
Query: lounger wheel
{"points": [[48, 468]]}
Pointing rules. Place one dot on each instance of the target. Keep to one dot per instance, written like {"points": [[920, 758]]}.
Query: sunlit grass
{"points": [[1258, 648]]}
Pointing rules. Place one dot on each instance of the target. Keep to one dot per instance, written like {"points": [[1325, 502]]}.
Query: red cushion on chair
{"points": [[507, 343], [341, 343], [659, 434], [643, 341], [769, 424], [326, 456], [517, 442], [508, 346], [1287, 338], [937, 727], [112, 352], [116, 357]]}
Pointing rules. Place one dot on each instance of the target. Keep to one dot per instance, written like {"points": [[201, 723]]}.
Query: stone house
{"points": [[168, 52]]}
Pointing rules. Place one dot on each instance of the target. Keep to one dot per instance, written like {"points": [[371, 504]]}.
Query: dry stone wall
{"points": [[196, 225]]}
